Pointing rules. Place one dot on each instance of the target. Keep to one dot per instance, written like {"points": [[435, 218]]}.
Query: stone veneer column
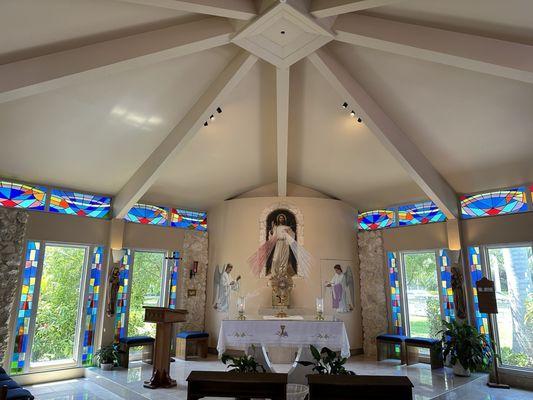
{"points": [[195, 248], [372, 270], [12, 231]]}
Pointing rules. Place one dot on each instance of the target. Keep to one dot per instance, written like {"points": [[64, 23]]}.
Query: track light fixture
{"points": [[212, 117], [344, 105], [205, 123], [359, 120], [352, 113], [219, 110]]}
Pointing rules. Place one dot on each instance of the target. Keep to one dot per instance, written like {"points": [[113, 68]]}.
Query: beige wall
{"points": [[234, 236]]}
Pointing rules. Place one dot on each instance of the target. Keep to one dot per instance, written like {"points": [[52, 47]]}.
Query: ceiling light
{"points": [[344, 105], [359, 120], [352, 114], [205, 123], [219, 110], [212, 117]]}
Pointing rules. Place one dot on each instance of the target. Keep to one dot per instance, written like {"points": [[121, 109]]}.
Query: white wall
{"points": [[329, 233]]}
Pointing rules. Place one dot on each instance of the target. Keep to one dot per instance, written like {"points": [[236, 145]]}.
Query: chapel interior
{"points": [[282, 199]]}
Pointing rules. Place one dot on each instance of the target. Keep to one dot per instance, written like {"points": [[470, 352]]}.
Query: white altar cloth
{"points": [[283, 333]]}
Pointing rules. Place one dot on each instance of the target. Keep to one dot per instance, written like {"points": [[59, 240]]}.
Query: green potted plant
{"points": [[327, 362], [468, 349], [242, 364], [107, 357]]}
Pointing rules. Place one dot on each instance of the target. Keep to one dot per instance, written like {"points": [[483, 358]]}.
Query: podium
{"points": [[164, 318]]}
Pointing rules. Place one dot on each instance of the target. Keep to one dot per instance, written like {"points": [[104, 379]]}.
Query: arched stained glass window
{"points": [[376, 219], [188, 219], [499, 202], [85, 205], [420, 213], [17, 195], [147, 214]]}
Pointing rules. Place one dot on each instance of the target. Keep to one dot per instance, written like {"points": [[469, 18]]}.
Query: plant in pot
{"points": [[468, 349], [327, 362], [107, 357], [242, 364]]}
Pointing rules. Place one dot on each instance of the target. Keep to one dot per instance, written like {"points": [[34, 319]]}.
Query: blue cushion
{"points": [[10, 383], [422, 341], [2, 371], [4, 377], [192, 334], [137, 340], [391, 338], [19, 394]]}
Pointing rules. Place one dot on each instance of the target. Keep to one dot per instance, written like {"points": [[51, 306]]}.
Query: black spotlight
{"points": [[344, 105], [359, 120], [212, 117], [205, 123], [219, 110]]}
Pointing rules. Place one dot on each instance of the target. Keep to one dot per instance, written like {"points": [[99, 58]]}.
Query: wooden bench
{"points": [[126, 343], [384, 343], [435, 351], [360, 387], [191, 343], [236, 385]]}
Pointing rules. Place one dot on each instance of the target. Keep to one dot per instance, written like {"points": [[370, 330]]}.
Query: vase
{"points": [[106, 367], [459, 370]]}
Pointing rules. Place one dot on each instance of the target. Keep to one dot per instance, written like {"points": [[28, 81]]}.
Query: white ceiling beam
{"points": [[182, 133], [388, 133], [36, 75], [282, 117], [328, 8], [237, 9], [481, 54]]}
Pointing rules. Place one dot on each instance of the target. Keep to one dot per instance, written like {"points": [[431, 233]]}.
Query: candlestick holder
{"points": [[319, 309], [240, 308]]}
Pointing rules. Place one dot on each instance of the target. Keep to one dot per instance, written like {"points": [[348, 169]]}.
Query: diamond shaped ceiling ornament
{"points": [[283, 35]]}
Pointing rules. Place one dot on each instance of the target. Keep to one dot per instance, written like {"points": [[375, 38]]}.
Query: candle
{"points": [[319, 305], [240, 304]]}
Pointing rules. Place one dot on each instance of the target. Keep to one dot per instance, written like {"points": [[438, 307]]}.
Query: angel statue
{"points": [[342, 289], [223, 285]]}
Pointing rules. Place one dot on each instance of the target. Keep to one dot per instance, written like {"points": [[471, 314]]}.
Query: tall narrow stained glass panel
{"points": [[93, 302], [476, 273], [419, 213], [147, 214], [445, 265], [188, 219], [22, 324], [174, 279], [494, 203], [122, 296], [85, 205], [17, 195], [394, 279], [376, 219]]}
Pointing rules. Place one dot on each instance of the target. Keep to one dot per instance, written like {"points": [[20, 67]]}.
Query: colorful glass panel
{"points": [[85, 205], [396, 307], [420, 213], [121, 309], [494, 203], [188, 219], [17, 195], [174, 279], [147, 214], [22, 324], [476, 273], [445, 266], [91, 308], [376, 219]]}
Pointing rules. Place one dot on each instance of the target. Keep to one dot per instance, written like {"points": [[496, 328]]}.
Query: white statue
{"points": [[223, 285], [342, 289]]}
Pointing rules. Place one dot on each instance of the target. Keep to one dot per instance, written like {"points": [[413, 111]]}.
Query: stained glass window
{"points": [[376, 219], [86, 205], [91, 309], [494, 203], [22, 324], [174, 279], [22, 196], [396, 308], [445, 265], [476, 274], [147, 214], [420, 213], [122, 297], [188, 219]]}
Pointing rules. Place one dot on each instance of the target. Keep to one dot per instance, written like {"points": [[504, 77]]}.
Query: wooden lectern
{"points": [[164, 318]]}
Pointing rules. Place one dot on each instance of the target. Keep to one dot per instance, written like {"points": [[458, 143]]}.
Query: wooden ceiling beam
{"points": [[388, 133], [282, 117], [36, 75], [182, 133], [328, 8], [476, 53]]}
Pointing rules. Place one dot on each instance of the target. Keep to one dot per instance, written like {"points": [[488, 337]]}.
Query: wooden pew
{"points": [[236, 385], [359, 387]]}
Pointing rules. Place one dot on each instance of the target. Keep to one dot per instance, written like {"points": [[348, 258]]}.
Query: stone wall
{"points": [[195, 248], [12, 231], [372, 270]]}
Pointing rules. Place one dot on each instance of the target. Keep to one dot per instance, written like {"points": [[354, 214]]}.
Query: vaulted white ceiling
{"points": [[93, 134]]}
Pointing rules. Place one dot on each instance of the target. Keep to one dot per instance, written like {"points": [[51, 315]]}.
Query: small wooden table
{"points": [[164, 318], [236, 385]]}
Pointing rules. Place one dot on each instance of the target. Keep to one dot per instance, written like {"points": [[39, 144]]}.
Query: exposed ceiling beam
{"points": [[388, 133], [36, 75], [282, 116], [328, 8], [237, 9], [475, 53], [177, 139]]}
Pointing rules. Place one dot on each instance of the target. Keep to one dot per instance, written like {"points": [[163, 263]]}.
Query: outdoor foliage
{"points": [[434, 316], [243, 364], [327, 362], [509, 357], [420, 271], [107, 355]]}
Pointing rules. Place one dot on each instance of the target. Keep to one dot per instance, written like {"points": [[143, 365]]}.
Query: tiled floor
{"points": [[127, 384]]}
